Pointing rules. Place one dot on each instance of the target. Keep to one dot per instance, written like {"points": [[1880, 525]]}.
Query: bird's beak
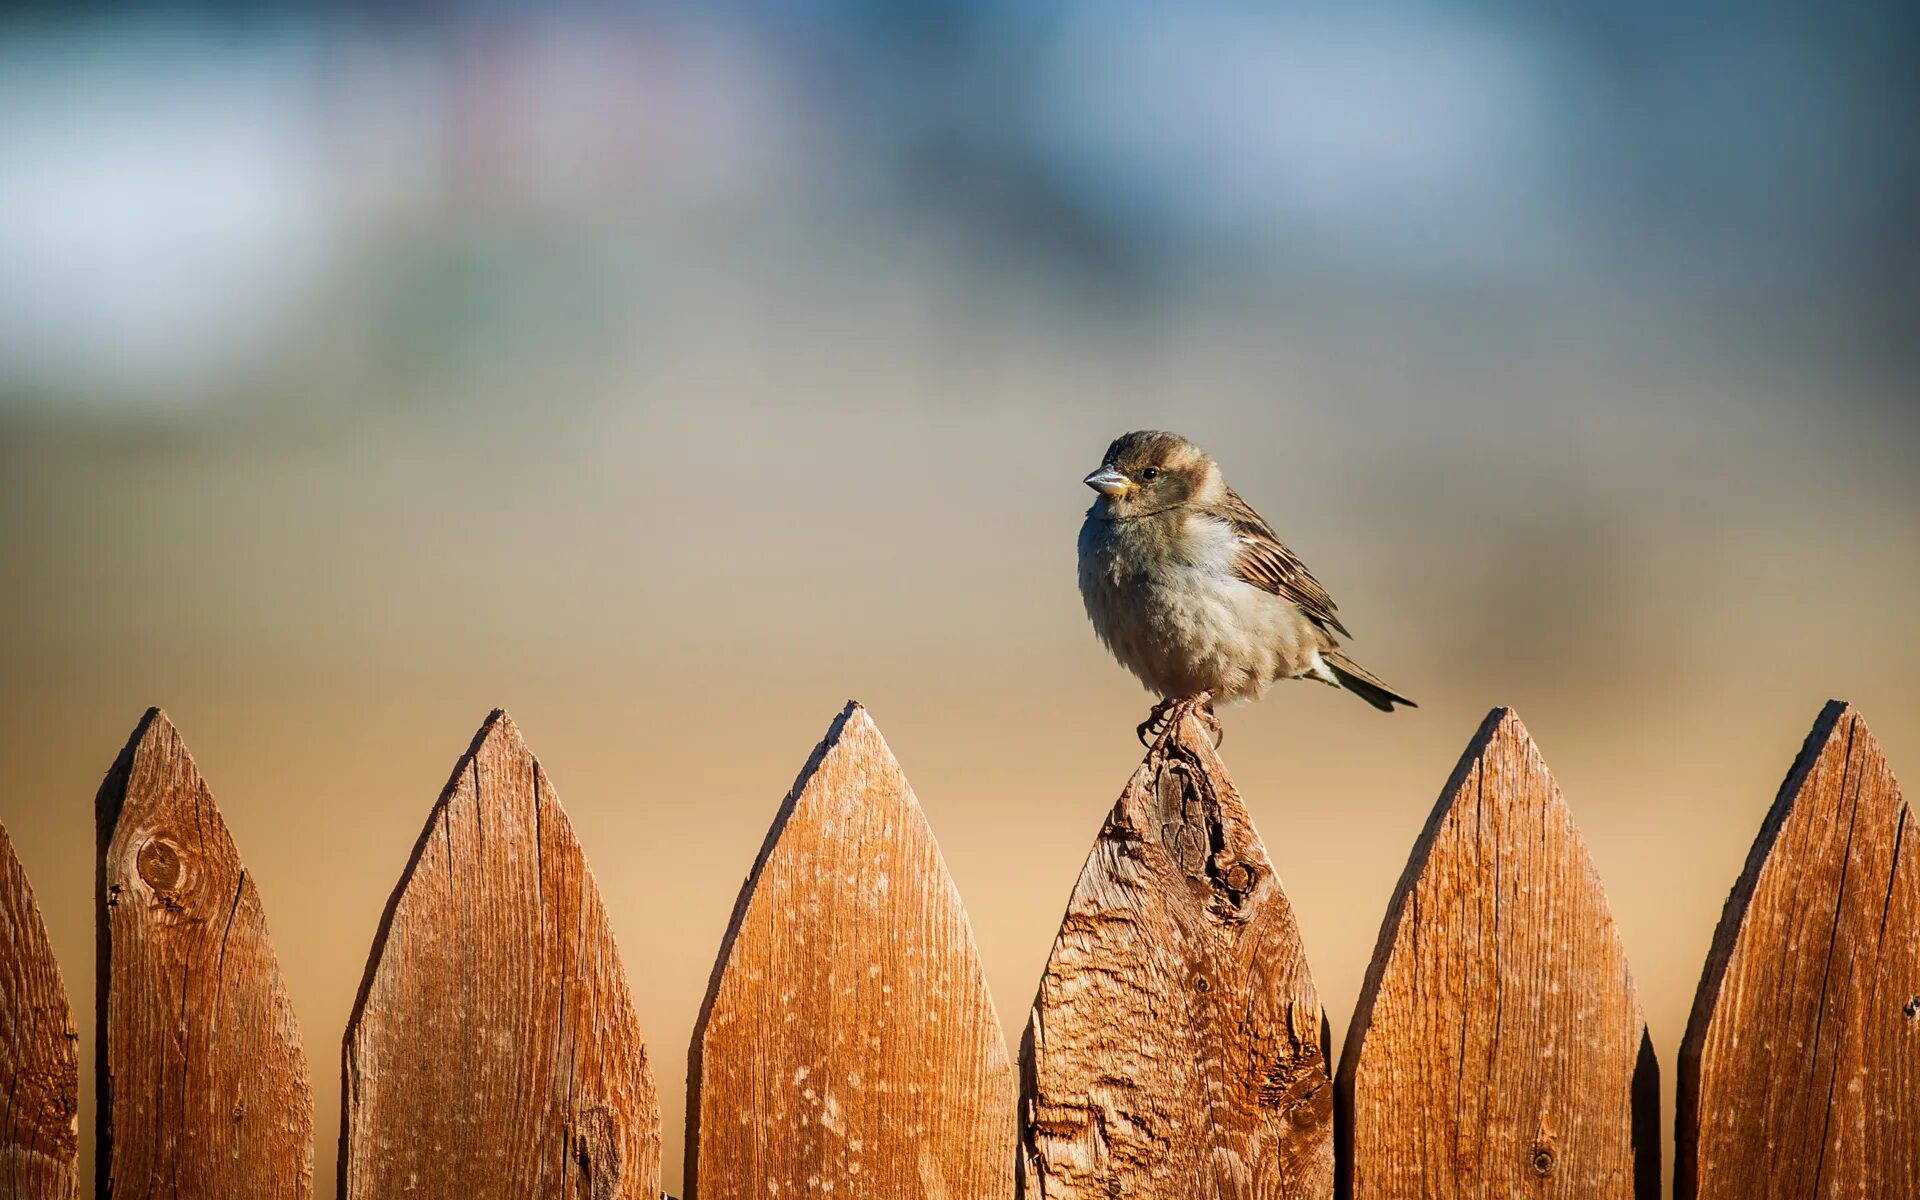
{"points": [[1109, 482]]}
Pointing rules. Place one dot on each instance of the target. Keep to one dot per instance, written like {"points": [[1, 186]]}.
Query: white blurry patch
{"points": [[162, 211], [1421, 140]]}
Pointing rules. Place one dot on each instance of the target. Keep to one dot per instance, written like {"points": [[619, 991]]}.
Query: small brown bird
{"points": [[1194, 594]]}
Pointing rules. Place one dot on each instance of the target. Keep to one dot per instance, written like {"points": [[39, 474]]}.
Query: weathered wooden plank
{"points": [[1176, 1049], [847, 1046], [1498, 1048], [39, 1051], [1800, 1070], [494, 1051], [203, 1087]]}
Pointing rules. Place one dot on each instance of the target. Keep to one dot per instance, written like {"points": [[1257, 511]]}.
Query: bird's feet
{"points": [[1148, 731], [1169, 712]]}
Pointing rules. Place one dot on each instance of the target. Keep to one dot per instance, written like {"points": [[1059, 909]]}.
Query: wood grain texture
{"points": [[203, 1087], [1176, 1049], [848, 1047], [39, 1052], [1800, 1071], [494, 1051], [1498, 1048]]}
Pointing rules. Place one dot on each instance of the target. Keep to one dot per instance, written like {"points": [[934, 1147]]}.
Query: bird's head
{"points": [[1148, 472]]}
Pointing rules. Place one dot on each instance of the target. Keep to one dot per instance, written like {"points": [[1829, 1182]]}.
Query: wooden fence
{"points": [[847, 1047]]}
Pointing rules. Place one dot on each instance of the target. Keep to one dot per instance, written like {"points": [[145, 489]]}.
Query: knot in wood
{"points": [[1543, 1161], [160, 865], [1913, 1007], [1233, 883]]}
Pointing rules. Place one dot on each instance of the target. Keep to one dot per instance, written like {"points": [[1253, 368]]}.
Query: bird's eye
{"points": [[1150, 473]]}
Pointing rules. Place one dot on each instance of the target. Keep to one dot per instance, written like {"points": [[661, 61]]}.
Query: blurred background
{"points": [[670, 373]]}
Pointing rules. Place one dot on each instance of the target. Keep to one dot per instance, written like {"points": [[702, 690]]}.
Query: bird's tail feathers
{"points": [[1362, 682]]}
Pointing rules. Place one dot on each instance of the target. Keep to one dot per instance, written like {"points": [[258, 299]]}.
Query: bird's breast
{"points": [[1169, 604]]}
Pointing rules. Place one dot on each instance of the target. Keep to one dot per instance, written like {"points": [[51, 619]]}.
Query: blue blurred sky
{"points": [[191, 196]]}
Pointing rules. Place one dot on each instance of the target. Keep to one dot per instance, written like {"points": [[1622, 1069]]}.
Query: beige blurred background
{"points": [[670, 375]]}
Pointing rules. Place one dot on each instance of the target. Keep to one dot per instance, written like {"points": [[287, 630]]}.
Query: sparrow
{"points": [[1192, 592]]}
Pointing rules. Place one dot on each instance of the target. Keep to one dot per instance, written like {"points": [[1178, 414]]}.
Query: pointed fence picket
{"points": [[1800, 1071], [493, 1051], [1177, 1047], [39, 1052], [848, 1048], [1498, 1048], [203, 1086]]}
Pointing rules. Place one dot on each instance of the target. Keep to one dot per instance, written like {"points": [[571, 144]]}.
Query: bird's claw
{"points": [[1148, 731], [1168, 713]]}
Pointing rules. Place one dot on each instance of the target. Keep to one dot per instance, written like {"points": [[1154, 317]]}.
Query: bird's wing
{"points": [[1268, 565]]}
